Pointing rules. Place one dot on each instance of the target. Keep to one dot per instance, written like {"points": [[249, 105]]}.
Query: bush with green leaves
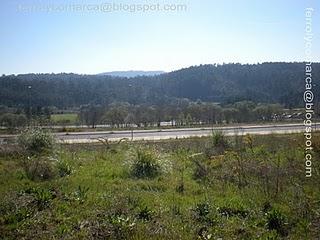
{"points": [[36, 141], [276, 220], [201, 210], [219, 140], [145, 164], [217, 144], [204, 214], [38, 168], [43, 198], [37, 144]]}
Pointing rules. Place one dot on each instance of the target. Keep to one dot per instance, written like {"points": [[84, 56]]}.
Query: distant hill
{"points": [[130, 74], [228, 83]]}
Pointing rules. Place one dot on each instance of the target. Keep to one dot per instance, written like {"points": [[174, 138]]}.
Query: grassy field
{"points": [[251, 187], [66, 118]]}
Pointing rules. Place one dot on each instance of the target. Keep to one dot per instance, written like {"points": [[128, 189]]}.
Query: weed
{"points": [[176, 209], [233, 207], [17, 216], [202, 171], [38, 168], [64, 168], [145, 214], [204, 214], [81, 194], [122, 227], [36, 141], [145, 164], [42, 198], [276, 220], [202, 209], [219, 141]]}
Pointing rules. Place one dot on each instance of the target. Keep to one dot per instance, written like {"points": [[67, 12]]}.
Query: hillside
{"points": [[268, 82]]}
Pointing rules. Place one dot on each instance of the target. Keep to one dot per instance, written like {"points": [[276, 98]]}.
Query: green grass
{"points": [[251, 188], [70, 118]]}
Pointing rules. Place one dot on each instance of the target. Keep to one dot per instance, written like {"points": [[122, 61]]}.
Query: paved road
{"points": [[87, 137], [83, 137]]}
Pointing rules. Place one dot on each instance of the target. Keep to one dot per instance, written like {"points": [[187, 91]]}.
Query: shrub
{"points": [[276, 221], [145, 164], [233, 211], [203, 213], [38, 168], [202, 171], [64, 168], [218, 139], [121, 227], [81, 194], [17, 216], [145, 214], [36, 141], [202, 209], [43, 198], [233, 207], [217, 144]]}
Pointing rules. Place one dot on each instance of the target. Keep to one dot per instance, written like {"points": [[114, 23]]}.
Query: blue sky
{"points": [[208, 31]]}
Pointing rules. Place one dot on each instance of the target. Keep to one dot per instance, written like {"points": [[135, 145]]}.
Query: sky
{"points": [[95, 36]]}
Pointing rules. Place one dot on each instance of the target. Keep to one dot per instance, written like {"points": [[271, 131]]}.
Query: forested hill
{"points": [[268, 82]]}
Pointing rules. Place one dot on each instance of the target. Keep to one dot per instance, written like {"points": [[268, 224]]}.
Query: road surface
{"points": [[91, 137]]}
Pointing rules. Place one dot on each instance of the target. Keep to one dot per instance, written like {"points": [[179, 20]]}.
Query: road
{"points": [[85, 137], [91, 137]]}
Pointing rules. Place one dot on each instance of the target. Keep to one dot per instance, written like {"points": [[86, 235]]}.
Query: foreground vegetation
{"points": [[250, 187]]}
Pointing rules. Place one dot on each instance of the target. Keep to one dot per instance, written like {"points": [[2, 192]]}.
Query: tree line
{"points": [[180, 113]]}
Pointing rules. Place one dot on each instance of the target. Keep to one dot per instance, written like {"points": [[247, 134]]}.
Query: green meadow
{"points": [[218, 187]]}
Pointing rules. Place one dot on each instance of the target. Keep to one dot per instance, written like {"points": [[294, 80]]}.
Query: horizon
{"points": [[53, 40]]}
